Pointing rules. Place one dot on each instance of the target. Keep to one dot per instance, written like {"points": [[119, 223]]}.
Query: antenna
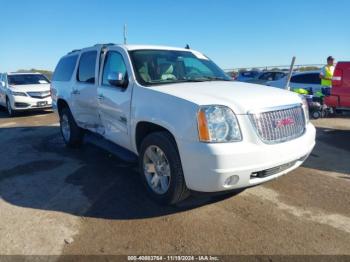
{"points": [[125, 34]]}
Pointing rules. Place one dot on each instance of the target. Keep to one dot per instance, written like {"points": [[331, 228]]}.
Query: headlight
{"points": [[305, 108], [18, 93], [218, 124]]}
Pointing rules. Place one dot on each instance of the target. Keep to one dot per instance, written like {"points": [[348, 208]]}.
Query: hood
{"points": [[31, 88], [240, 97]]}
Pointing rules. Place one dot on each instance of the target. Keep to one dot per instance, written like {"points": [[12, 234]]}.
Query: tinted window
{"points": [[65, 68], [279, 75], [266, 76], [312, 78], [114, 64], [27, 79], [250, 74], [86, 70]]}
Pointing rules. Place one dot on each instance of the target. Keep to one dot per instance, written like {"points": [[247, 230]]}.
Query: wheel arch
{"points": [[144, 128], [61, 103]]}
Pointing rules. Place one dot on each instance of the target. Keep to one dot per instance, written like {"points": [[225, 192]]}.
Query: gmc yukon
{"points": [[189, 125]]}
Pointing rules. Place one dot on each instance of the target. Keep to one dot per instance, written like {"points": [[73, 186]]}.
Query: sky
{"points": [[36, 33]]}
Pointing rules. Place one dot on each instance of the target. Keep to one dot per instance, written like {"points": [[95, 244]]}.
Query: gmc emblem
{"points": [[284, 122]]}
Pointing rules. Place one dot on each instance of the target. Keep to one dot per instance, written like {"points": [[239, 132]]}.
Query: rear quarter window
{"points": [[65, 68]]}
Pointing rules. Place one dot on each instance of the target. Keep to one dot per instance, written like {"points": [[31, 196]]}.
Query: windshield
{"points": [[27, 79], [154, 67]]}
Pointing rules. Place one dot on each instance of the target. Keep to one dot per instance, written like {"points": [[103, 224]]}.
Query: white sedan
{"points": [[24, 91]]}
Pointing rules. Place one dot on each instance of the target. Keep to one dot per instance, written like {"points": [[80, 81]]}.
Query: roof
{"points": [[24, 73], [306, 72]]}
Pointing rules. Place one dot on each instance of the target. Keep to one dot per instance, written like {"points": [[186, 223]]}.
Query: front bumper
{"points": [[22, 103], [226, 166]]}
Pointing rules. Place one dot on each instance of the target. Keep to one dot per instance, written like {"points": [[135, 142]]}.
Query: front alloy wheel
{"points": [[156, 169], [161, 168], [10, 111]]}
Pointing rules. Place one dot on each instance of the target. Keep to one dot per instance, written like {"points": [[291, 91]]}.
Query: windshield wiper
{"points": [[215, 78]]}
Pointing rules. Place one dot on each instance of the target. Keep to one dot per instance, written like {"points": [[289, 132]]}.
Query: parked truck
{"points": [[189, 125], [339, 98]]}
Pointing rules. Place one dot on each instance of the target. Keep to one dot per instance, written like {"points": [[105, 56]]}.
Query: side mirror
{"points": [[2, 84], [117, 79]]}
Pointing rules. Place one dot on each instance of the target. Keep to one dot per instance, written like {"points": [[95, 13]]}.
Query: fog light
{"points": [[232, 180]]}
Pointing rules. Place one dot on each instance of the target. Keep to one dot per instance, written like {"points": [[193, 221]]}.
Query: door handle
{"points": [[75, 92]]}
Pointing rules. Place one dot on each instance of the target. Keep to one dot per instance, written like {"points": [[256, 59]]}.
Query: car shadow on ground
{"points": [[4, 114], [85, 182], [332, 151]]}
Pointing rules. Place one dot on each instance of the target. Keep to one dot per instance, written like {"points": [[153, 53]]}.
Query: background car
{"points": [[24, 91], [247, 75], [267, 76], [306, 80]]}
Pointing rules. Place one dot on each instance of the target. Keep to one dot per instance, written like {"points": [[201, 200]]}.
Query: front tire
{"points": [[161, 169], [72, 134], [10, 111]]}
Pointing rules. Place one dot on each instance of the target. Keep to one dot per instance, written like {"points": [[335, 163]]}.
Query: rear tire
{"points": [[163, 177], [72, 134], [10, 111], [316, 114]]}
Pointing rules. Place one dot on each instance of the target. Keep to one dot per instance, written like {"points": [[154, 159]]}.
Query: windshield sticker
{"points": [[199, 55]]}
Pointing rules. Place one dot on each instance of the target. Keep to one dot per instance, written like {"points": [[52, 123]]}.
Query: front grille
{"points": [[39, 95], [279, 125]]}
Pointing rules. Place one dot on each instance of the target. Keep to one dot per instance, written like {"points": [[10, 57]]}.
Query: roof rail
{"points": [[102, 45], [73, 51], [108, 44]]}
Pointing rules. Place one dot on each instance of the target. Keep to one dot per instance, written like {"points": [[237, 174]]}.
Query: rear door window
{"points": [[87, 65], [64, 69]]}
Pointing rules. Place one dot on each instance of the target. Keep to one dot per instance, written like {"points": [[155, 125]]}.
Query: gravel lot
{"points": [[59, 201]]}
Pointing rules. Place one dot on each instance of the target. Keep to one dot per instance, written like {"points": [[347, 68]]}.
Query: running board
{"points": [[118, 151]]}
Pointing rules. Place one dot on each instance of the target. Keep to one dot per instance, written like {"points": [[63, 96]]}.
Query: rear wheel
{"points": [[161, 169], [71, 133], [316, 114]]}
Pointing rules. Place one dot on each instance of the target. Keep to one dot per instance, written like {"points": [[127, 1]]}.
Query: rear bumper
{"points": [[23, 103], [220, 167]]}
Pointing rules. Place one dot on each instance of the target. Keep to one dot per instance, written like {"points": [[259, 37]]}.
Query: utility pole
{"points": [[287, 87], [125, 34]]}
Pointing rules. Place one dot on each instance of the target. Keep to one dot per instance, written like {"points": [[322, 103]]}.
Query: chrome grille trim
{"points": [[39, 95], [279, 124]]}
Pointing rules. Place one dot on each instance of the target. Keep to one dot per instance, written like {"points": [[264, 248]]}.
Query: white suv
{"points": [[24, 91], [189, 125]]}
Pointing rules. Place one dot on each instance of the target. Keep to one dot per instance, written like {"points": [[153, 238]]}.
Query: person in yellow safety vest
{"points": [[327, 73]]}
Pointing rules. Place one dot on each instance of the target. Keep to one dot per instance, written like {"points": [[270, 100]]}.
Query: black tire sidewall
{"points": [[177, 186], [8, 104]]}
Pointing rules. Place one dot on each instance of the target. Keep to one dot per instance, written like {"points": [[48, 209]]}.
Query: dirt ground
{"points": [[55, 200]]}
